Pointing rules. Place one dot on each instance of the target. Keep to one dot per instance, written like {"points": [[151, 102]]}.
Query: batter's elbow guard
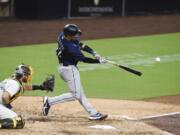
{"points": [[15, 123]]}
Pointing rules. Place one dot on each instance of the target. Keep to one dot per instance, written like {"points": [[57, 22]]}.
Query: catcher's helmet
{"points": [[71, 30], [23, 71]]}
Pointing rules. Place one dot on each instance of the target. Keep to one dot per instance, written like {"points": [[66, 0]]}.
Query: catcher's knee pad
{"points": [[15, 123]]}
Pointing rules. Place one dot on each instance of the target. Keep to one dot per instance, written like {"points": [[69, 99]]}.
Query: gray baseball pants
{"points": [[70, 75]]}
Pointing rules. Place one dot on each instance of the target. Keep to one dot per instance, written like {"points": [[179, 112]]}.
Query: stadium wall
{"points": [[55, 9]]}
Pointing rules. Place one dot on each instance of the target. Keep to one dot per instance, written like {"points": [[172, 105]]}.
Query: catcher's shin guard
{"points": [[15, 123]]}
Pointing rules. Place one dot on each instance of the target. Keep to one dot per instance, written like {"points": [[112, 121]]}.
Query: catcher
{"points": [[12, 88]]}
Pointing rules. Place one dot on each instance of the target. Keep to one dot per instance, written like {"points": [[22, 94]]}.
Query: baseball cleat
{"points": [[46, 106], [98, 116]]}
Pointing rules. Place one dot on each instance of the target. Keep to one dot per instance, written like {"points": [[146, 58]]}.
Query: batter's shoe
{"points": [[46, 106], [98, 116]]}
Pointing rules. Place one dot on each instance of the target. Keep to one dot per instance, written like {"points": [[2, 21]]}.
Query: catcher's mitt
{"points": [[48, 84]]}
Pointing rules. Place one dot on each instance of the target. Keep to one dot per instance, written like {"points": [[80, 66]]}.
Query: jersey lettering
{"points": [[60, 48]]}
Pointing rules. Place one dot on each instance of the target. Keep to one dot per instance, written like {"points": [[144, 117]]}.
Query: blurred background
{"points": [[130, 32], [55, 9], [39, 21]]}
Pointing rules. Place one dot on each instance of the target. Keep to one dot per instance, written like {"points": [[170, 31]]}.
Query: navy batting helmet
{"points": [[71, 30]]}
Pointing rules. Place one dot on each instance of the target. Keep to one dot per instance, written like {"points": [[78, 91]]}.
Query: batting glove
{"points": [[103, 60], [97, 56]]}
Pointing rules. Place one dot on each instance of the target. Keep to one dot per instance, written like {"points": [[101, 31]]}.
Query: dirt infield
{"points": [[70, 118]]}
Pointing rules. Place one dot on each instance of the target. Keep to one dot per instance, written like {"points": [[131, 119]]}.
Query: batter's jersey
{"points": [[68, 51], [13, 87]]}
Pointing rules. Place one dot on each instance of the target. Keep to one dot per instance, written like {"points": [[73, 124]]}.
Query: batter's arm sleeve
{"points": [[86, 48], [90, 60], [80, 57]]}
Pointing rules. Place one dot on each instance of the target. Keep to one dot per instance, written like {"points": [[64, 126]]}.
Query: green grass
{"points": [[159, 79]]}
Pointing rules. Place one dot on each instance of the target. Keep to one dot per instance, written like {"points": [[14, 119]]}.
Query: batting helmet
{"points": [[23, 71], [71, 30]]}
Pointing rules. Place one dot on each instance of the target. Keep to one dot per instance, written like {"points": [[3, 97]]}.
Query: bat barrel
{"points": [[126, 68]]}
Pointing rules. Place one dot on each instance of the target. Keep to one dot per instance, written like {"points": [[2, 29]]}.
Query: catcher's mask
{"points": [[25, 72]]}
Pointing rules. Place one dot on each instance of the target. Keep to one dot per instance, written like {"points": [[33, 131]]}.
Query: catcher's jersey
{"points": [[13, 87]]}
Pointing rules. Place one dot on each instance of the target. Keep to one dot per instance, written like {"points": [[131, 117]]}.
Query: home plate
{"points": [[102, 127]]}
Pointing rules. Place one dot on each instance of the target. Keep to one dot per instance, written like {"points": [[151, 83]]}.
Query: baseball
{"points": [[157, 59]]}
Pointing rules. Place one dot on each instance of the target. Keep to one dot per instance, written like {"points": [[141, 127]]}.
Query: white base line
{"points": [[118, 117], [149, 117]]}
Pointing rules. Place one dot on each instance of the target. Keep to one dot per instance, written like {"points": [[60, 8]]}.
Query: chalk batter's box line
{"points": [[125, 117]]}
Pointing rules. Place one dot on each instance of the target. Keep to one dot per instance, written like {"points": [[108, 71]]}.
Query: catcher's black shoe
{"points": [[46, 106], [98, 116]]}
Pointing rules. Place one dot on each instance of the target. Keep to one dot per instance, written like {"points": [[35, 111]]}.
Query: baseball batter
{"points": [[10, 89], [69, 54]]}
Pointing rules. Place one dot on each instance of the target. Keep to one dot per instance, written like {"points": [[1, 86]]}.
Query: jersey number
{"points": [[59, 49]]}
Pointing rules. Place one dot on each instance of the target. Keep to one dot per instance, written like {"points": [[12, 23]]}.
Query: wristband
{"points": [[37, 87]]}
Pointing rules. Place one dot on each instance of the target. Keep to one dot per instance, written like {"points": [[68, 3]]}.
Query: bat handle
{"points": [[111, 62]]}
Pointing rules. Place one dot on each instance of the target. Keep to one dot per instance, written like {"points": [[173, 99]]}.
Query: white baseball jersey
{"points": [[14, 88]]}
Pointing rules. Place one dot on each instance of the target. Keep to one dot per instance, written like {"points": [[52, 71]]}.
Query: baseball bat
{"points": [[125, 68]]}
